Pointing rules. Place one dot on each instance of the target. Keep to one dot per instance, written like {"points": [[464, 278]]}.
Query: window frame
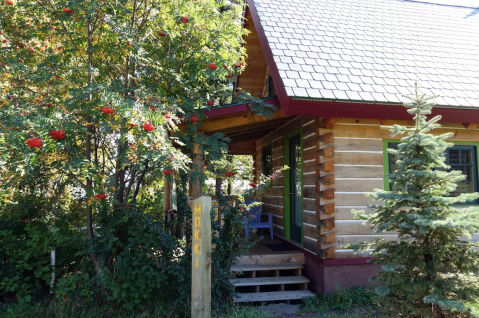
{"points": [[475, 164]]}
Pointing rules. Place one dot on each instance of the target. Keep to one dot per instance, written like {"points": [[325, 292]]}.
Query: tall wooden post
{"points": [[195, 187], [201, 259], [166, 199]]}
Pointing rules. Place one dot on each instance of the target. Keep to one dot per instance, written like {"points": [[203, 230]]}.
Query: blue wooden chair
{"points": [[255, 220]]}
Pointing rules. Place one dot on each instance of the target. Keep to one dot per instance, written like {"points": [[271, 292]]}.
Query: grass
{"points": [[57, 310], [53, 309], [354, 303], [340, 300]]}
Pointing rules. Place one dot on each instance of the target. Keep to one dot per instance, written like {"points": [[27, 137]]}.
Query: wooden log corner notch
{"points": [[327, 208], [328, 123], [470, 126], [327, 152], [327, 194], [386, 122], [329, 252], [325, 187]]}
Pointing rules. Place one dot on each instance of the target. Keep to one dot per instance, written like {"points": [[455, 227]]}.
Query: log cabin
{"points": [[337, 71]]}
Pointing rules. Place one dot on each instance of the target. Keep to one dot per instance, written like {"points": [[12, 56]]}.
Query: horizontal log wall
{"points": [[358, 168], [310, 231]]}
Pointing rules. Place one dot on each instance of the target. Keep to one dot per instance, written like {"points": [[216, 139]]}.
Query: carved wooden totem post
{"points": [[201, 258]]}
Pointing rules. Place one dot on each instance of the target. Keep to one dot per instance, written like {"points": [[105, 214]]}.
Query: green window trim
{"points": [[466, 145], [286, 182]]}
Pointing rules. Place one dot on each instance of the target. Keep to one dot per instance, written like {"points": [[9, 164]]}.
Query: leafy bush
{"points": [[27, 238]]}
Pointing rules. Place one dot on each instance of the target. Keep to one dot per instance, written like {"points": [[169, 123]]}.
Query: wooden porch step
{"points": [[266, 267], [293, 257], [273, 296], [262, 281]]}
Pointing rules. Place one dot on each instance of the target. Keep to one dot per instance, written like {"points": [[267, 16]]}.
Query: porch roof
{"points": [[373, 51], [242, 126]]}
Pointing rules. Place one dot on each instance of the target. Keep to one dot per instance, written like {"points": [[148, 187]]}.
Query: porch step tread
{"points": [[268, 259], [262, 281], [265, 267], [273, 296]]}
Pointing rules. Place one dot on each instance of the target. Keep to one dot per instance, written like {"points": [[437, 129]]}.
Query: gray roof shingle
{"points": [[374, 50]]}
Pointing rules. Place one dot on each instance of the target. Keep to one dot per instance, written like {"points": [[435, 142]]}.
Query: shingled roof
{"points": [[373, 50]]}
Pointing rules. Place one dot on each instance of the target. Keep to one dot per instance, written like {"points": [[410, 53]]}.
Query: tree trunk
{"points": [[218, 185], [166, 199], [88, 141]]}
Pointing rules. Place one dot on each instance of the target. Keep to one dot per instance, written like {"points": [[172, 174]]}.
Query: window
{"points": [[271, 88], [267, 161], [459, 157]]}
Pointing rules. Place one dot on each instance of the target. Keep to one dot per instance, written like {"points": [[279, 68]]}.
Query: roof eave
{"points": [[301, 106]]}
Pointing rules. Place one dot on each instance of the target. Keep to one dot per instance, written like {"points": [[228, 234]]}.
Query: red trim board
{"points": [[375, 111]]}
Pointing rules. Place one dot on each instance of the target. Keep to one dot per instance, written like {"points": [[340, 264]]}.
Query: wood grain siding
{"points": [[252, 79], [273, 199], [359, 169], [310, 234]]}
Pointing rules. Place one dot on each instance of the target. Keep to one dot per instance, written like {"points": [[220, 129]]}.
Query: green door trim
{"points": [[286, 185]]}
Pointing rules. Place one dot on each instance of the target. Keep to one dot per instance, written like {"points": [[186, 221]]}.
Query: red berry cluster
{"points": [[167, 172], [57, 134]]}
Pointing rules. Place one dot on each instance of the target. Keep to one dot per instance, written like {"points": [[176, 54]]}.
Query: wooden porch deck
{"points": [[264, 275], [260, 254]]}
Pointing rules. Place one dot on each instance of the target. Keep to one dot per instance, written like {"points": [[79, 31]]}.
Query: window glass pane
{"points": [[453, 156], [466, 156], [267, 161], [297, 185], [392, 162], [466, 185]]}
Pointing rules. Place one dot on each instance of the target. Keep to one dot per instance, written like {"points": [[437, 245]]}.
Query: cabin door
{"points": [[295, 194]]}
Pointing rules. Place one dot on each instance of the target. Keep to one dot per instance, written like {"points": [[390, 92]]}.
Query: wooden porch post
{"points": [[254, 162], [195, 187], [201, 258], [166, 199]]}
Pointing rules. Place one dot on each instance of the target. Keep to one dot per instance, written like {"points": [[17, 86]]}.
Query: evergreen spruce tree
{"points": [[431, 269]]}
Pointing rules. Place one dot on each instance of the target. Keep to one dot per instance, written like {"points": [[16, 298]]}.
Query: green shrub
{"points": [[27, 237]]}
